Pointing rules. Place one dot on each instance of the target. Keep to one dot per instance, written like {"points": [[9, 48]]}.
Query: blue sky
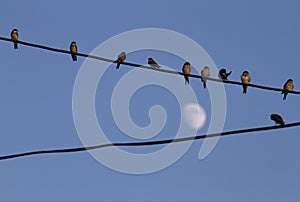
{"points": [[36, 101]]}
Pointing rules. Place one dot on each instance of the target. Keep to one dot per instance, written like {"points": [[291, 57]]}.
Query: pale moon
{"points": [[194, 115]]}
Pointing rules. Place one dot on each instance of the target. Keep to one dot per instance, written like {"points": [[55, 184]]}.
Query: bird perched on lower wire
{"points": [[73, 50], [186, 69], [277, 118], [288, 86], [152, 63], [224, 75], [245, 78], [205, 73], [121, 58], [15, 37]]}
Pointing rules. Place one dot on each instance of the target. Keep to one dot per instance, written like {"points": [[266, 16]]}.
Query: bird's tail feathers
{"points": [[244, 89], [74, 58], [204, 82], [284, 96], [187, 81]]}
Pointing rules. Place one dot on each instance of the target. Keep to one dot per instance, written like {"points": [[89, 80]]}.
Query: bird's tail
{"points": [[15, 45], [244, 89], [284, 96], [204, 83], [187, 81], [74, 57], [118, 66]]}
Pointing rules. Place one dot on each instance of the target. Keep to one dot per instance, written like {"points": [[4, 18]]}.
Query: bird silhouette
{"points": [[245, 78], [224, 75], [73, 50], [15, 37], [288, 86], [186, 69], [121, 58], [277, 118], [152, 63], [205, 73]]}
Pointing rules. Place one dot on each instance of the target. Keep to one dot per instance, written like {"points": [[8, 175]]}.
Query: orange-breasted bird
{"points": [[73, 50], [205, 73], [15, 37], [121, 58], [186, 69], [245, 78], [288, 86]]}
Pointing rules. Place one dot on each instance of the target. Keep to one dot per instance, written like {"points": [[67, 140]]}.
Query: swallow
{"points": [[73, 50], [15, 37], [288, 86], [277, 118], [224, 75], [186, 69], [121, 58], [152, 63], [205, 73], [245, 78]]}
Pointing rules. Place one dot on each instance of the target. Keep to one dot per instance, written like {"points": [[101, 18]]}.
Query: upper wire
{"points": [[146, 67]]}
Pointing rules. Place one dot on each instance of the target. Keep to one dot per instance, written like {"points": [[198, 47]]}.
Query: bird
{"points": [[277, 118], [15, 37], [73, 50], [288, 86], [152, 63], [205, 73], [245, 78], [224, 75], [186, 69], [121, 58]]}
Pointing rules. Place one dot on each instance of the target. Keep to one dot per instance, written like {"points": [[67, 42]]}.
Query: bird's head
{"points": [[245, 73], [187, 63], [222, 71], [122, 55]]}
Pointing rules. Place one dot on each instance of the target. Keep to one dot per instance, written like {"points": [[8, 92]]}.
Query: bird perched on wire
{"points": [[205, 73], [277, 118], [186, 69], [73, 50], [224, 75], [15, 37], [152, 63], [245, 78], [288, 86], [121, 58]]}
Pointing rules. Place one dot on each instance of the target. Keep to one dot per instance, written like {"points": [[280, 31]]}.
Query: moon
{"points": [[194, 115]]}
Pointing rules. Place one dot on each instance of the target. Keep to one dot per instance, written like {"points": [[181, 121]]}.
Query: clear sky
{"points": [[36, 101]]}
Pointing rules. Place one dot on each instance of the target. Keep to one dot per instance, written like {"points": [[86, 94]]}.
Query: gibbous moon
{"points": [[194, 115]]}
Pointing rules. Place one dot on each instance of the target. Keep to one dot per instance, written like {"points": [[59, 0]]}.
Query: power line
{"points": [[145, 67], [148, 143]]}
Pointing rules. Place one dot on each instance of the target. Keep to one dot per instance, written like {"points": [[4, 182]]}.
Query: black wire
{"points": [[145, 67], [148, 143]]}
